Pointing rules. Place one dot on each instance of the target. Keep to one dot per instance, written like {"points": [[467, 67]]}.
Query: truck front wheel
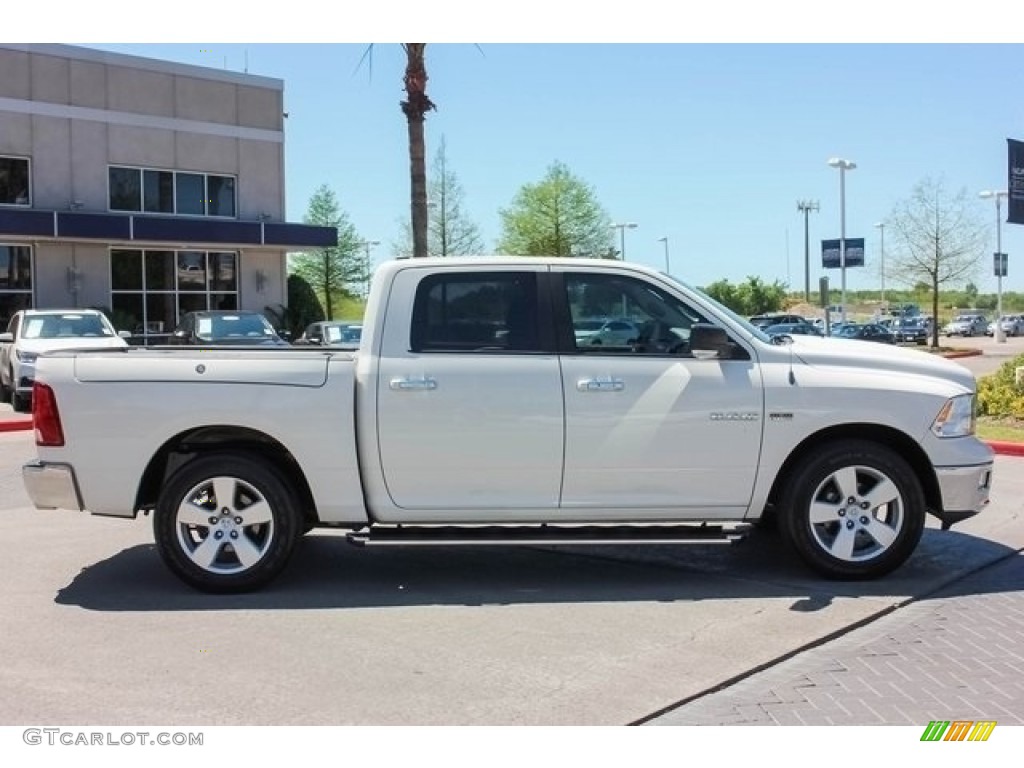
{"points": [[226, 523], [853, 510]]}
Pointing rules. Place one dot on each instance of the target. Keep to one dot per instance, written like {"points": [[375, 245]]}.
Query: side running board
{"points": [[561, 535]]}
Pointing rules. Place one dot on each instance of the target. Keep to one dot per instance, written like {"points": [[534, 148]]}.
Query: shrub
{"points": [[999, 395]]}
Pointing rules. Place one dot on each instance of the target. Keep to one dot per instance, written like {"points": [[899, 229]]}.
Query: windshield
{"points": [[738, 319], [233, 326], [65, 325]]}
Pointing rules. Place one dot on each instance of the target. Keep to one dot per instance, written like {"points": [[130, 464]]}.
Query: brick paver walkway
{"points": [[956, 655]]}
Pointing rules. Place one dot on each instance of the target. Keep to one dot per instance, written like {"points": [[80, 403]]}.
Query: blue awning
{"points": [[195, 232]]}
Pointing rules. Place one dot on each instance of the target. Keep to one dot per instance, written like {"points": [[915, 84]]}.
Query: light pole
{"points": [[368, 244], [805, 207], [881, 267], [622, 236], [998, 195], [843, 166], [665, 241]]}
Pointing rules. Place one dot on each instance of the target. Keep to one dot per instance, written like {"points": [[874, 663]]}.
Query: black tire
{"points": [[21, 403], [5, 392], [853, 510], [261, 515]]}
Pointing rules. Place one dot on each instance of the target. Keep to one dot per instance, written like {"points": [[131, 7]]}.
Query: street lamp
{"points": [[998, 195], [665, 241], [881, 267], [622, 236], [368, 244], [805, 207], [843, 166]]}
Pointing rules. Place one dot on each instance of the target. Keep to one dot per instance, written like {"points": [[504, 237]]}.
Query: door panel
{"points": [[647, 424], [664, 433], [469, 411], [460, 432]]}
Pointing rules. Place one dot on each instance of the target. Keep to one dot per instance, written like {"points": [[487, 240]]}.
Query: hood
{"points": [[854, 353]]}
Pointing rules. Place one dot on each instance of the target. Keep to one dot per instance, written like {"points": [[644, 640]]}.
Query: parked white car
{"points": [[31, 332], [1013, 325], [618, 332]]}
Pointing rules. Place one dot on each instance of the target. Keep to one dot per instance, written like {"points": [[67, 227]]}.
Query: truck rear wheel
{"points": [[226, 523], [853, 510]]}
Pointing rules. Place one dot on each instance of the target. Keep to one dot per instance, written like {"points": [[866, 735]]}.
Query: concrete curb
{"points": [[16, 424], [1006, 449], [962, 353]]}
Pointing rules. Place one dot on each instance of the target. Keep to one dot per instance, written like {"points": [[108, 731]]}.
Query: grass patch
{"points": [[1006, 429]]}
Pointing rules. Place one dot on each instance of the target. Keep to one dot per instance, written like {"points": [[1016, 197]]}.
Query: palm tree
{"points": [[415, 108]]}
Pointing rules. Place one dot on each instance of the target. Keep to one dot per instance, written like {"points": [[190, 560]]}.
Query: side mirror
{"points": [[708, 342], [8, 337], [125, 334]]}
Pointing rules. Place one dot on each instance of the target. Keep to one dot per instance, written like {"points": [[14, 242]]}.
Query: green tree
{"points": [[332, 272], [938, 238], [303, 308], [754, 297], [450, 232], [725, 292], [558, 216]]}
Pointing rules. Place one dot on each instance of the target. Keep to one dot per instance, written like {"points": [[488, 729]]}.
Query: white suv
{"points": [[32, 332]]}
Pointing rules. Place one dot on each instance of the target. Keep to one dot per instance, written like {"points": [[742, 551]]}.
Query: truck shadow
{"points": [[328, 573]]}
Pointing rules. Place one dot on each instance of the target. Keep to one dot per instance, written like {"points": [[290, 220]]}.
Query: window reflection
{"points": [[152, 289]]}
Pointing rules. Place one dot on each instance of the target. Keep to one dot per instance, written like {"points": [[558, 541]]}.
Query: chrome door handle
{"points": [[600, 385], [406, 384]]}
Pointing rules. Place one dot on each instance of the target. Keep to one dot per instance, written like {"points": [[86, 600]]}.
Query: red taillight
{"points": [[45, 417]]}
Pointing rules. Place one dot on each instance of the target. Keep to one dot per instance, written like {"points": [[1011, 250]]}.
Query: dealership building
{"points": [[144, 187]]}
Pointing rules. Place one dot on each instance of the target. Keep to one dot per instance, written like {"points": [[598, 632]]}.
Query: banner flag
{"points": [[831, 258], [1015, 183]]}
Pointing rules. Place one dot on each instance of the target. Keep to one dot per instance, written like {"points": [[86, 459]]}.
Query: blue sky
{"points": [[709, 145]]}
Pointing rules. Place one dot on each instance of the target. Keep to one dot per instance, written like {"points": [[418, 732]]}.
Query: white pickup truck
{"points": [[473, 413]]}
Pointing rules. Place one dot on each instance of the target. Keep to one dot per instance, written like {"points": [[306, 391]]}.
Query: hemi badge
{"points": [[780, 416]]}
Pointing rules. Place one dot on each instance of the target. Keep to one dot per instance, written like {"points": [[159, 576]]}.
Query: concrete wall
{"points": [[76, 111]]}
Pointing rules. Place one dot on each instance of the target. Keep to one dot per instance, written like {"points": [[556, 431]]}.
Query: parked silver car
{"points": [[1013, 325], [967, 324]]}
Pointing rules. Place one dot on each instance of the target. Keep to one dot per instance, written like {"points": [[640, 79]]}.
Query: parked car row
{"points": [[31, 332]]}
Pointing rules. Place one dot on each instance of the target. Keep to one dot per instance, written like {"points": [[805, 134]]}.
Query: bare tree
{"points": [[450, 232], [938, 238]]}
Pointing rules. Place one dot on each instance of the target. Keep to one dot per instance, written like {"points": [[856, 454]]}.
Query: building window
{"points": [[15, 280], [152, 289], [175, 192], [14, 181]]}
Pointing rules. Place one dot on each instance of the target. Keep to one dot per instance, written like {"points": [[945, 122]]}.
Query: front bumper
{"points": [[965, 492], [51, 485]]}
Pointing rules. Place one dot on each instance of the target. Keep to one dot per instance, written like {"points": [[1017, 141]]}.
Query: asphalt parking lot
{"points": [[98, 632]]}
